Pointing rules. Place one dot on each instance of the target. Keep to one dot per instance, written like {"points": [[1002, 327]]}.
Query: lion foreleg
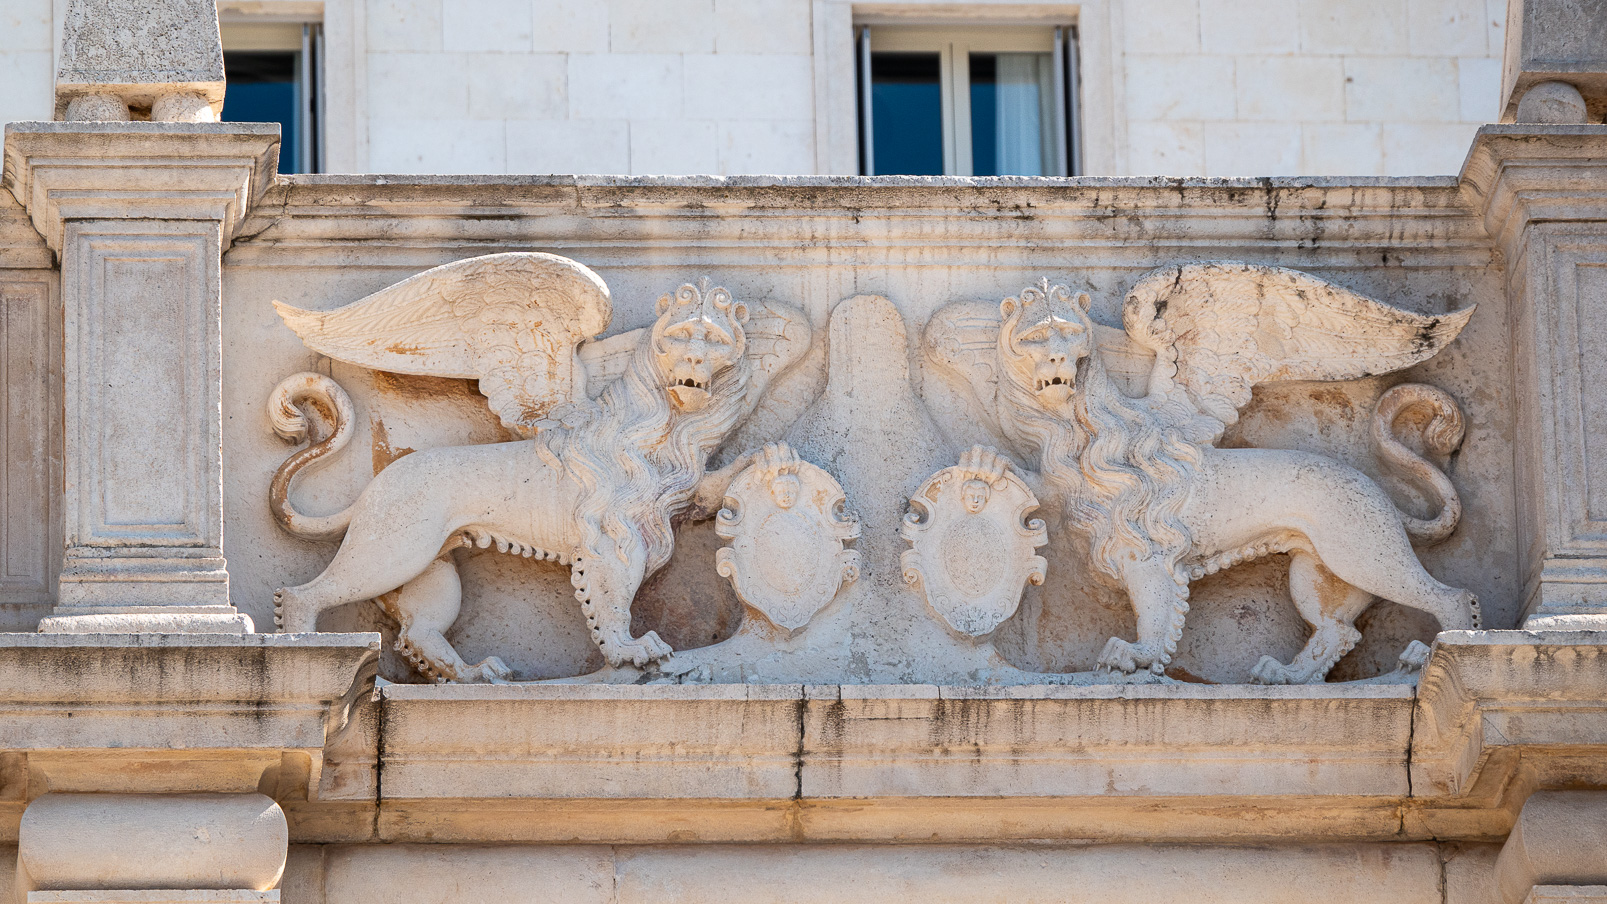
{"points": [[605, 584], [425, 609], [1160, 601], [1330, 606]]}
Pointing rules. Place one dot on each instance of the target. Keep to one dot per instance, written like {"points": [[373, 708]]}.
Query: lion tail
{"points": [[1441, 434], [289, 421]]}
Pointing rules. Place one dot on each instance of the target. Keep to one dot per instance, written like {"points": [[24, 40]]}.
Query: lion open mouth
{"points": [[689, 393], [1056, 380]]}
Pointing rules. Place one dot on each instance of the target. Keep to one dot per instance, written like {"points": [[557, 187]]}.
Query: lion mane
{"points": [[637, 460], [1125, 466]]}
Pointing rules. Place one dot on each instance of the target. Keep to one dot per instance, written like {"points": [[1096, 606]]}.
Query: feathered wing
{"points": [[512, 321], [777, 336], [1218, 328]]}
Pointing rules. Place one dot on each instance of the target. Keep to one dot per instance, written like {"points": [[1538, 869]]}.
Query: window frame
{"points": [[954, 45], [306, 40]]}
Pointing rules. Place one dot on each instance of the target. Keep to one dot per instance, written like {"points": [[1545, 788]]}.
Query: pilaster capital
{"points": [[1527, 173], [138, 170]]}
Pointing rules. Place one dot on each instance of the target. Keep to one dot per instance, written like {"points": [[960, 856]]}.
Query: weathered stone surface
{"points": [[149, 55], [1555, 41], [1556, 842]]}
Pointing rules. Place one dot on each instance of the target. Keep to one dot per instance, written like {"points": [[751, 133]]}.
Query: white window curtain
{"points": [[1026, 91]]}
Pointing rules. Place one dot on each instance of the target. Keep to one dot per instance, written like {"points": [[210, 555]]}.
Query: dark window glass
{"points": [[262, 88], [907, 114], [984, 114]]}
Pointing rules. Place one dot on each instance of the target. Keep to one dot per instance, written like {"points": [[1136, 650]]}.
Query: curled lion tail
{"points": [[1441, 435], [291, 423]]}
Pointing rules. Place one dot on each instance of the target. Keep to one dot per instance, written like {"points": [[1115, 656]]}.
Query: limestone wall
{"points": [[1176, 87]]}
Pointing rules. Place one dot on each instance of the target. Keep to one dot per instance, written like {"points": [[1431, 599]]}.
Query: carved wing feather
{"points": [[512, 321], [777, 336], [1220, 327]]}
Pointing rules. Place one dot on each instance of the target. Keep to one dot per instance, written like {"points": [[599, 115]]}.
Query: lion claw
{"points": [[637, 651], [1119, 656]]}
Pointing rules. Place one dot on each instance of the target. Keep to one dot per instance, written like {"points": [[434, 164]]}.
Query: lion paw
{"points": [[1414, 657], [1271, 671], [491, 670], [983, 463], [637, 651], [1120, 656]]}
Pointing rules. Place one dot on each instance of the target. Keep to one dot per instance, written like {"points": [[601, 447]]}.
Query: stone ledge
{"points": [[173, 712], [1487, 697]]}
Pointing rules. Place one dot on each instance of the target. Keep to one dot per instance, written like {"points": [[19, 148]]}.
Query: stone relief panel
{"points": [[595, 486], [1140, 476], [854, 419], [788, 532], [972, 542]]}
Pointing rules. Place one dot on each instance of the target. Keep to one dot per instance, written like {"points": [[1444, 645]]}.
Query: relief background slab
{"points": [[321, 242]]}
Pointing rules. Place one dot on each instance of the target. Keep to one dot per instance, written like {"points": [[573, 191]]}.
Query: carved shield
{"points": [[972, 561], [787, 531]]}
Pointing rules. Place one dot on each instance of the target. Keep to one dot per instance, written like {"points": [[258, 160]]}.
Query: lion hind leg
{"points": [[1330, 606], [425, 609]]}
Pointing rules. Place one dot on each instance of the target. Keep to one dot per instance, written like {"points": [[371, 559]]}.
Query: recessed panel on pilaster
{"points": [[139, 319]]}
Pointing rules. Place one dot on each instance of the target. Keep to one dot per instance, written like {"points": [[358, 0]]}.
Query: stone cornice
{"points": [[204, 712], [1497, 714], [315, 220], [1487, 696], [1520, 174], [138, 170]]}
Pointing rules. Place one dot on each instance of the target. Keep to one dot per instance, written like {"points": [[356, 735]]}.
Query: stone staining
{"points": [[1160, 505], [162, 58], [785, 520], [972, 544], [596, 484]]}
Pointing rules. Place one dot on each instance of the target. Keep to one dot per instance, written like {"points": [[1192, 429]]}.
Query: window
{"points": [[272, 71], [983, 101]]}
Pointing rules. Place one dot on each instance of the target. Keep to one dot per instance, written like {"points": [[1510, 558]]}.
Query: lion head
{"points": [[698, 335], [1046, 340]]}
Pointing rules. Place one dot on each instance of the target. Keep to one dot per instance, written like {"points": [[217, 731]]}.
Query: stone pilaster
{"points": [[139, 215], [1542, 190]]}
